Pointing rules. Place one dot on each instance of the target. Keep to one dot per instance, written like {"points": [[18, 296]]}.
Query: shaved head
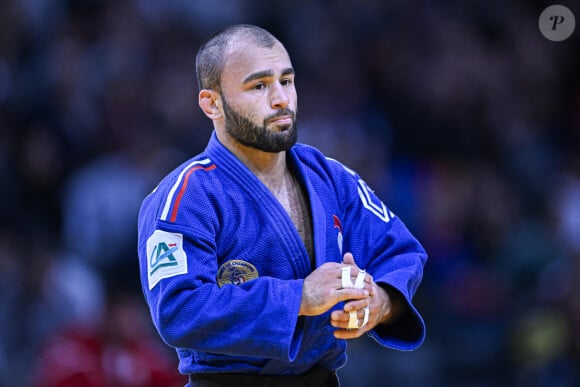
{"points": [[211, 57]]}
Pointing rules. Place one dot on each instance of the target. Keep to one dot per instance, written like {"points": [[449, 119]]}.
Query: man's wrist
{"points": [[395, 305]]}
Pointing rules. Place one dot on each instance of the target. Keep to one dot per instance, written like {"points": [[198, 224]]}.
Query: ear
{"points": [[210, 103]]}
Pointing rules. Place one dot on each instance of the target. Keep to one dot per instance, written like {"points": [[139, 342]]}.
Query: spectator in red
{"points": [[120, 351]]}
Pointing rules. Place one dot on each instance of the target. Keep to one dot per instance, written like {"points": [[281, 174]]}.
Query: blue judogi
{"points": [[222, 265]]}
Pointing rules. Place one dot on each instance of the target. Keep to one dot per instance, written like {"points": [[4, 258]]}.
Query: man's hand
{"points": [[323, 289], [382, 308]]}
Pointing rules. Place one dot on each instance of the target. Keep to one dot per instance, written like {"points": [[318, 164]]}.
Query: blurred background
{"points": [[460, 115]]}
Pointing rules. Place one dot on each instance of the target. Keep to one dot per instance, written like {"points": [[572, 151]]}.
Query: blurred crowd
{"points": [[462, 116]]}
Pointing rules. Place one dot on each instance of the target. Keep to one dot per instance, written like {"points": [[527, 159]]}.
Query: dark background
{"points": [[460, 115]]}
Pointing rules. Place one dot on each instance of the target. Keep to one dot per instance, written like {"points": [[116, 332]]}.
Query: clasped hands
{"points": [[323, 289]]}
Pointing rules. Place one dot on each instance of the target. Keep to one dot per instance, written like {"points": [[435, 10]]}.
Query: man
{"points": [[260, 256]]}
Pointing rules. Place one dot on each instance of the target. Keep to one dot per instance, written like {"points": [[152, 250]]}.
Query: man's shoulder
{"points": [[314, 158], [185, 172], [190, 179]]}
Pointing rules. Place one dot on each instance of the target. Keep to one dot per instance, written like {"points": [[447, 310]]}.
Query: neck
{"points": [[269, 167]]}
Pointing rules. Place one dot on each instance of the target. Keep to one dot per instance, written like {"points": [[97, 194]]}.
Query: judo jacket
{"points": [[222, 265]]}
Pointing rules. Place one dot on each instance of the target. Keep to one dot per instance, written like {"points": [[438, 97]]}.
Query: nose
{"points": [[279, 98]]}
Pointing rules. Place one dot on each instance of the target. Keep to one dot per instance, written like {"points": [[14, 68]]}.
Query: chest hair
{"points": [[293, 198]]}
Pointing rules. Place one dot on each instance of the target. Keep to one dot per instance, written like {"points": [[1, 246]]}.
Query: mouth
{"points": [[281, 120]]}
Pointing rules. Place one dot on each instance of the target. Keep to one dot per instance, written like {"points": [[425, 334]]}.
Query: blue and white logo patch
{"points": [[165, 256]]}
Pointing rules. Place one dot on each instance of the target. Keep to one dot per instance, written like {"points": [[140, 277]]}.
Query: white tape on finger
{"points": [[352, 320], [358, 283], [346, 282], [360, 279], [366, 317]]}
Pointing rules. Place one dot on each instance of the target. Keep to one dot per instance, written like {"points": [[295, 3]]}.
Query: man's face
{"points": [[259, 98]]}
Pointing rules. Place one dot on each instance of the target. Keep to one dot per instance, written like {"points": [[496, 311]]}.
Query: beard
{"points": [[258, 137]]}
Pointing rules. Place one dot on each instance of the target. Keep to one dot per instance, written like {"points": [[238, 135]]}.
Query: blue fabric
{"points": [[224, 214]]}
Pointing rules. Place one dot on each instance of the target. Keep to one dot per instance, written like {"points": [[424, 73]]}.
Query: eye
{"points": [[286, 82], [259, 86]]}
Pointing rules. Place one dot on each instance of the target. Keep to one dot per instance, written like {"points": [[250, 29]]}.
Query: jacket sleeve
{"points": [[382, 244], [178, 268]]}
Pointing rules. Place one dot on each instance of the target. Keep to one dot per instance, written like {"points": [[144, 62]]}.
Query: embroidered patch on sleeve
{"points": [[166, 257]]}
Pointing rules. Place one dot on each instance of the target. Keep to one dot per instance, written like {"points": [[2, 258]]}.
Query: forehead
{"points": [[245, 59]]}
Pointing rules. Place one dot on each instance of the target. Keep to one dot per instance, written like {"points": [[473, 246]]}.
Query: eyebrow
{"points": [[266, 74]]}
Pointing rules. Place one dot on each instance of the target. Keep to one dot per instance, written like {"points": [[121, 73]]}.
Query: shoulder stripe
{"points": [[184, 187], [183, 176]]}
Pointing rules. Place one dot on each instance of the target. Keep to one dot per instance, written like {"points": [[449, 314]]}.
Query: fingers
{"points": [[349, 333], [350, 325], [332, 283], [356, 305], [345, 282], [361, 279], [349, 294], [348, 259], [355, 314], [340, 318], [322, 289], [356, 317]]}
